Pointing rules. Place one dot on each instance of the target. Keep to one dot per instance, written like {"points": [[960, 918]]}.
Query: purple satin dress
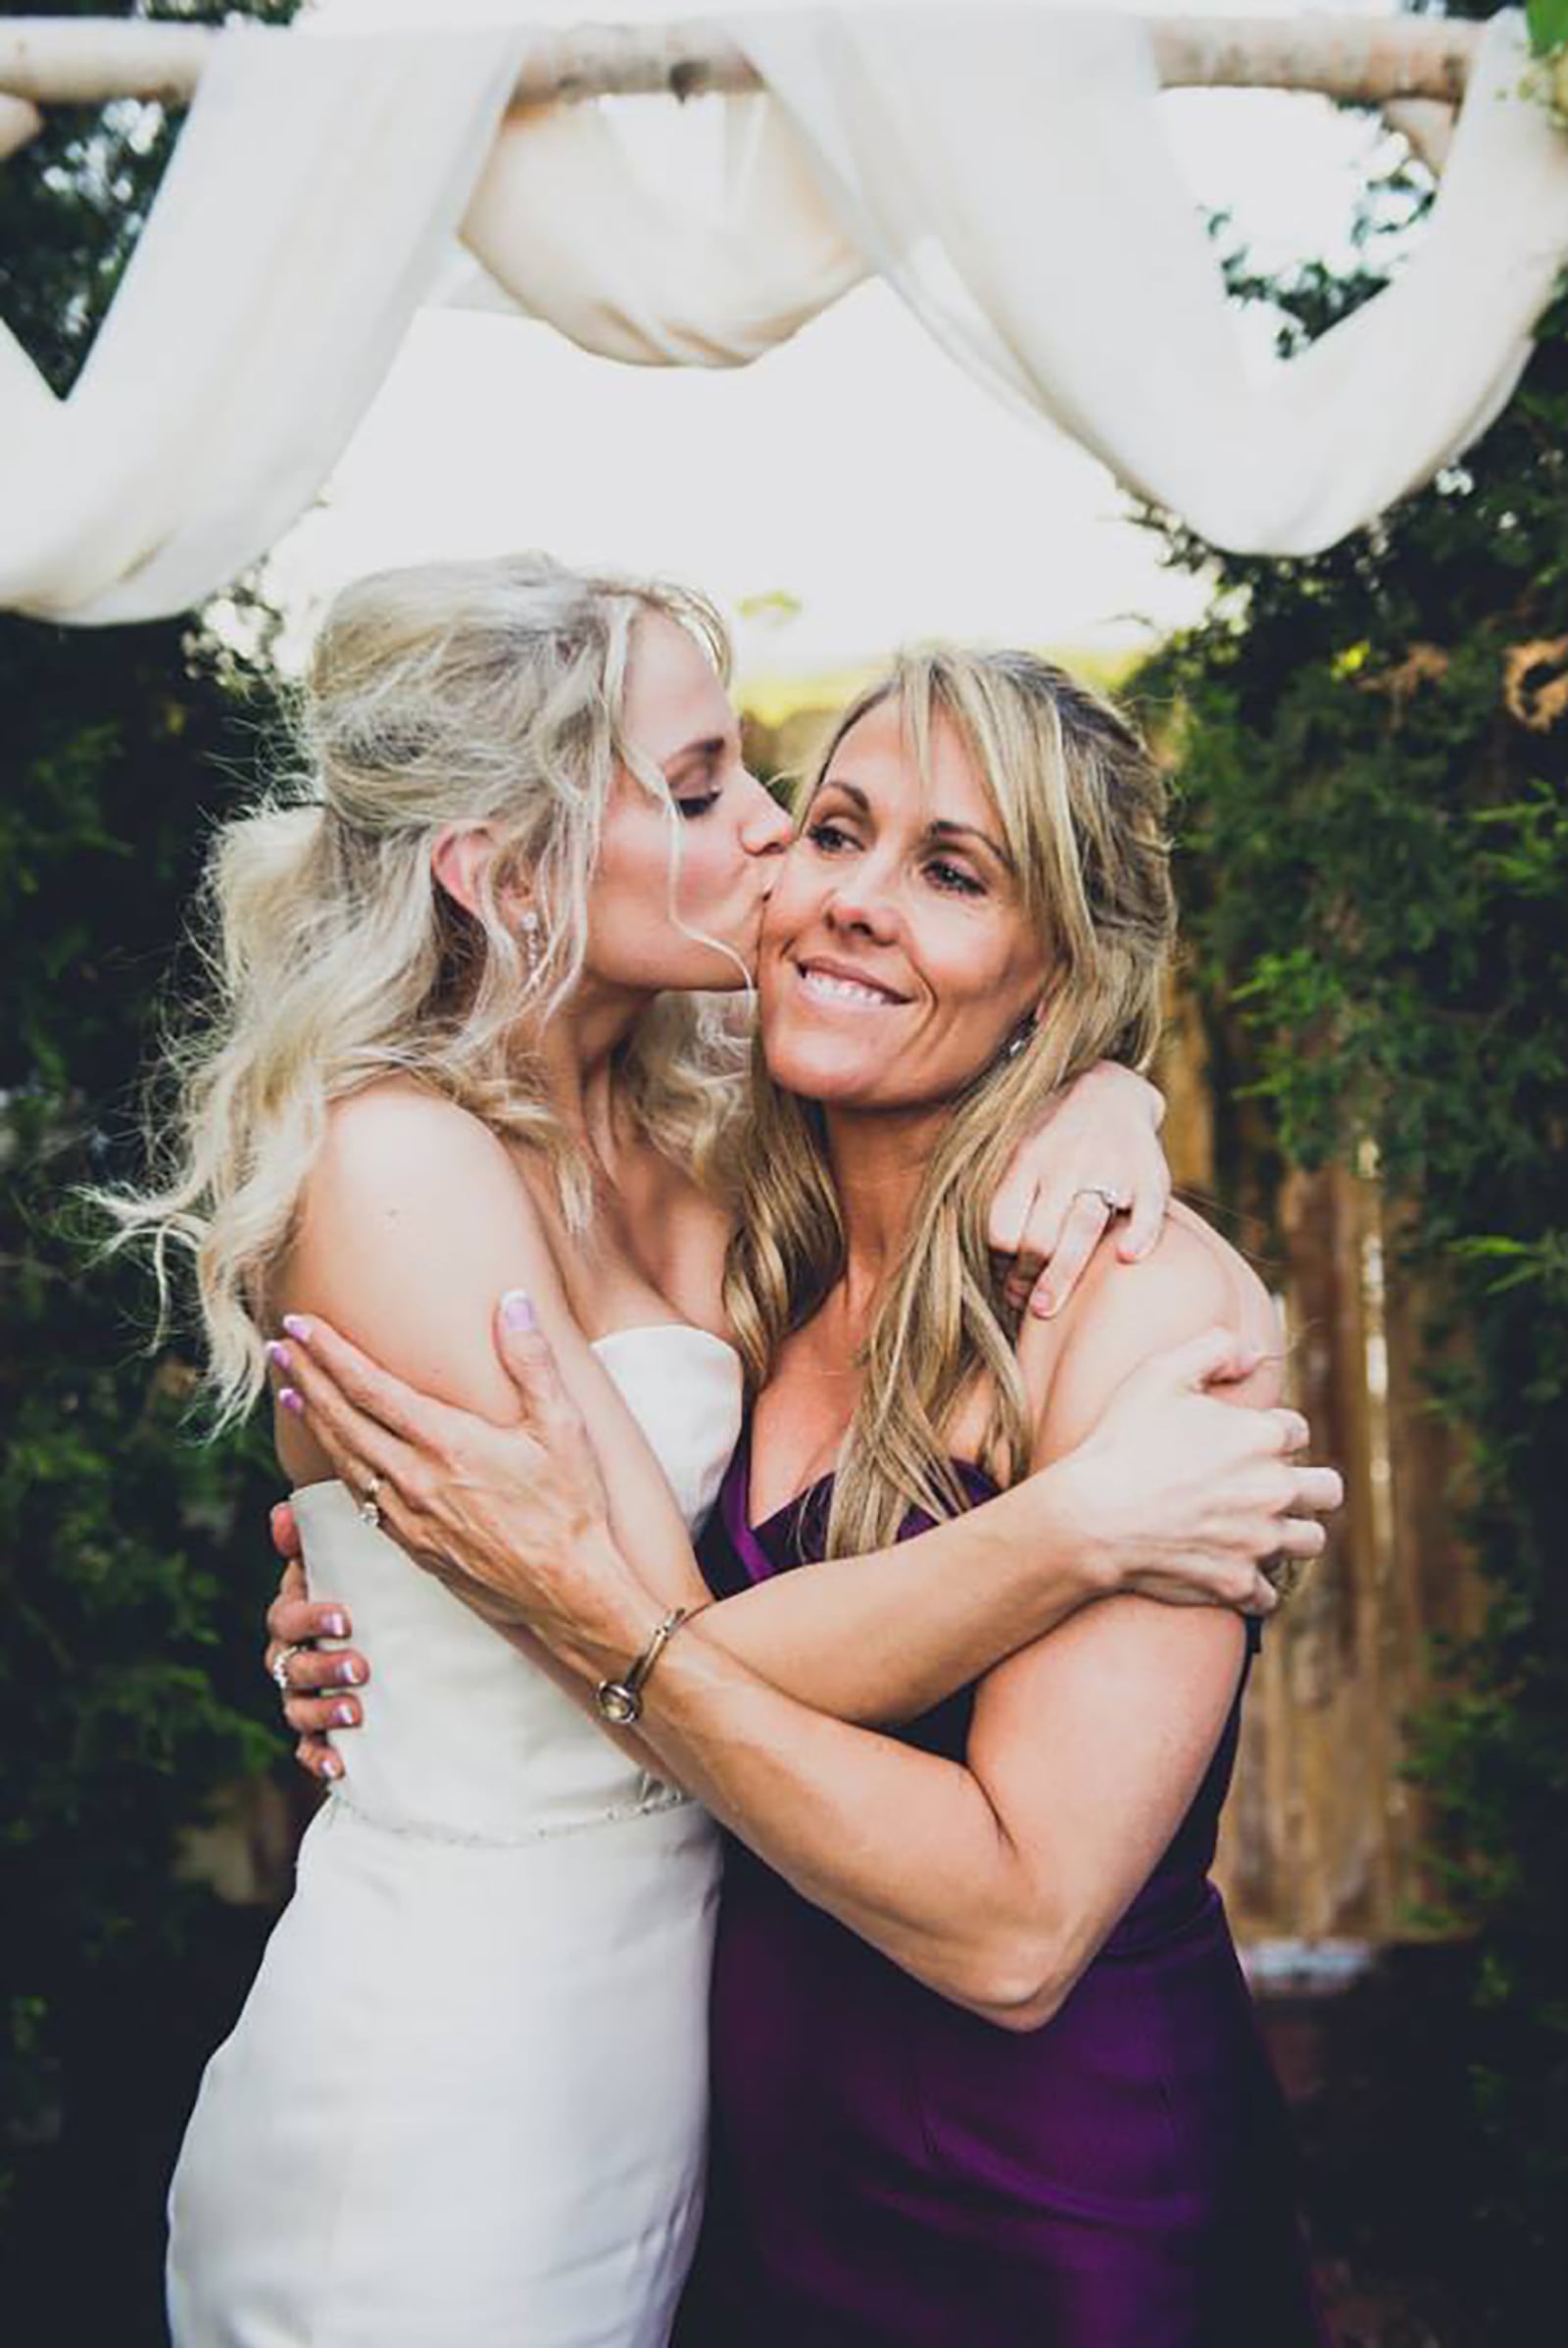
{"points": [[888, 2171]]}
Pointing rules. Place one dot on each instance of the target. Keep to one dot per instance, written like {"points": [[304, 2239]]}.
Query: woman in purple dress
{"points": [[985, 2070]]}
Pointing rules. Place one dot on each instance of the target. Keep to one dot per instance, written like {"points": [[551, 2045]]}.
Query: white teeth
{"points": [[844, 990]]}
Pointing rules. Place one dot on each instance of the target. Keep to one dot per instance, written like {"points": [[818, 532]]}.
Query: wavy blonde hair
{"points": [[1082, 808], [444, 694]]}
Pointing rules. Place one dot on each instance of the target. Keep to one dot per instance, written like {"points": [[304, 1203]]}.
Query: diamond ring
{"points": [[278, 1667]]}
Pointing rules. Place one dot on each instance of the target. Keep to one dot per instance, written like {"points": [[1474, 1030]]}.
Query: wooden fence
{"points": [[1322, 1835]]}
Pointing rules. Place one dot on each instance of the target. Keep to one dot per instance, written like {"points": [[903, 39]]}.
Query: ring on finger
{"points": [[278, 1667], [1285, 1574], [1115, 1201], [368, 1513]]}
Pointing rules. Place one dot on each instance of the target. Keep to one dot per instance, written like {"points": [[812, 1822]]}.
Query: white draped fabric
{"points": [[310, 196], [564, 222], [1007, 171], [1008, 174]]}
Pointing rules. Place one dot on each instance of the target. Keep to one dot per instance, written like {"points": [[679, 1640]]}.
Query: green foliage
{"points": [[1547, 20], [132, 1562], [1374, 786]]}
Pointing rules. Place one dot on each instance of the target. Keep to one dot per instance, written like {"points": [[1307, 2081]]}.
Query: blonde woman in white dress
{"points": [[466, 1038]]}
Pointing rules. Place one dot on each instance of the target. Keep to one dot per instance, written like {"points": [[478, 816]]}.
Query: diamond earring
{"points": [[533, 945]]}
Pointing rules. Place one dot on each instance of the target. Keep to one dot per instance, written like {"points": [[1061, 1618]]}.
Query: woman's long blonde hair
{"points": [[1081, 806], [467, 693]]}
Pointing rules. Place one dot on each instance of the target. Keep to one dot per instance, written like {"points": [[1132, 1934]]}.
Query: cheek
{"points": [[981, 985], [628, 904], [798, 896], [712, 862], [966, 966]]}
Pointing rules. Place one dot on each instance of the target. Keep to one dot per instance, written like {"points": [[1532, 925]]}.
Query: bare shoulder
{"points": [[1120, 1313], [414, 1219], [393, 1135]]}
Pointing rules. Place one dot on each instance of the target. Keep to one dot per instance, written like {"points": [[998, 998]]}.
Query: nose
{"points": [[767, 829], [860, 904]]}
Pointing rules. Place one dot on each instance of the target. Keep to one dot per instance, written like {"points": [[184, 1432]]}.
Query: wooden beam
{"points": [[52, 61]]}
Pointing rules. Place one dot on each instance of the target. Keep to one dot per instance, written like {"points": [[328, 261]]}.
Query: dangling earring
{"points": [[1019, 1040], [533, 945]]}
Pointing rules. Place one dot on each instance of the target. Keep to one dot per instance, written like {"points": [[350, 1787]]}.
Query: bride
{"points": [[465, 1041]]}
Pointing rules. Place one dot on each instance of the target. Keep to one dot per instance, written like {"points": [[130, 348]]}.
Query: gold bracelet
{"points": [[620, 1701]]}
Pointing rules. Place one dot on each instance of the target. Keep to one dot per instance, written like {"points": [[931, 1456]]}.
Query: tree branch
{"points": [[88, 60]]}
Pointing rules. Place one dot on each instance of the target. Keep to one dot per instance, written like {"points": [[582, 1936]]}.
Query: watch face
{"points": [[617, 1703]]}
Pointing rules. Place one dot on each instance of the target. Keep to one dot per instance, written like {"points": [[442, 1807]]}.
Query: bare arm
{"points": [[1161, 1500], [841, 1637], [993, 1880], [381, 1249]]}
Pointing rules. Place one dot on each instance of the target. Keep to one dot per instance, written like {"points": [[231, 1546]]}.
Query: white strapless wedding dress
{"points": [[465, 2103]]}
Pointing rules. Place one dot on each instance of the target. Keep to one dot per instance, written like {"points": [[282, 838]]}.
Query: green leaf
{"points": [[1548, 24]]}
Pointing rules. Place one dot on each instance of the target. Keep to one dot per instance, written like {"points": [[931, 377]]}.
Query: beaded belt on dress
{"points": [[653, 1799]]}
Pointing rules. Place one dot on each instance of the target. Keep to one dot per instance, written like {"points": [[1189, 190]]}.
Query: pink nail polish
{"points": [[517, 1311], [279, 1355], [347, 1674], [332, 1767], [297, 1327], [290, 1400], [338, 1626], [343, 1716]]}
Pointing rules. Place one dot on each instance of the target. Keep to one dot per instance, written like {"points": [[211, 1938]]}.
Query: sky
{"points": [[854, 483]]}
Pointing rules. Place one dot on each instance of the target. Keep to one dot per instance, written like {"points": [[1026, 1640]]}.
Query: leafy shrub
{"points": [[1373, 751]]}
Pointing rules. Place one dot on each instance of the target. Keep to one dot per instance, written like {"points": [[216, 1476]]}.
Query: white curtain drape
{"points": [[577, 235], [1007, 171], [310, 196]]}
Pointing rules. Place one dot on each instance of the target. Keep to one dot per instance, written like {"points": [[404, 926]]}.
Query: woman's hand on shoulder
{"points": [[1096, 1157], [1161, 1413], [515, 1519]]}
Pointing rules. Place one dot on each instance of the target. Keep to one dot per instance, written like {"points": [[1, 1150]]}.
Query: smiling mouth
{"points": [[844, 993]]}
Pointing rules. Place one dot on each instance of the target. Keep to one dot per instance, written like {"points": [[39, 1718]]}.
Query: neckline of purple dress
{"points": [[889, 2170], [735, 1500]]}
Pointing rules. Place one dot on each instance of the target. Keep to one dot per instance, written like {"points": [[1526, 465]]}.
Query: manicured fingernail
{"points": [[336, 1626], [1045, 1304], [347, 1674], [297, 1327], [331, 1766], [343, 1716], [279, 1356], [290, 1400], [517, 1311]]}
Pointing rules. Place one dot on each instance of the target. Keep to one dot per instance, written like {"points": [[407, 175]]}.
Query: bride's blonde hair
{"points": [[1081, 807], [445, 694]]}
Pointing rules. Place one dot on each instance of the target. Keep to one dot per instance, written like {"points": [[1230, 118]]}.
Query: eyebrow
{"points": [[942, 828]]}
